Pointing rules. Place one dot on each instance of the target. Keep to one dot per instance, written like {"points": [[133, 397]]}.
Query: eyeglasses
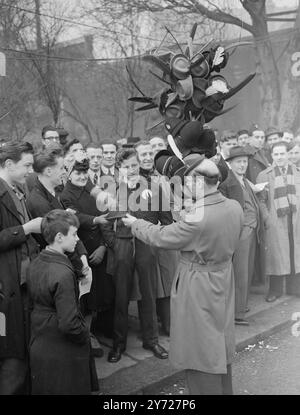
{"points": [[52, 138]]}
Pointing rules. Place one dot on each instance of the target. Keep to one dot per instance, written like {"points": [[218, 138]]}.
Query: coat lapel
{"points": [[8, 202], [261, 159]]}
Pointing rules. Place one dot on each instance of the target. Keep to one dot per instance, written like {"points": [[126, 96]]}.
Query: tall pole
{"points": [[39, 41]]}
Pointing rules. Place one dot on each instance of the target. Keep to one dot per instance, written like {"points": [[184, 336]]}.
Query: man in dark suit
{"points": [[134, 195], [228, 139], [258, 162], [237, 187]]}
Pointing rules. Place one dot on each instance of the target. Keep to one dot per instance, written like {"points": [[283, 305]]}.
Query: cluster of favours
{"points": [[195, 92]]}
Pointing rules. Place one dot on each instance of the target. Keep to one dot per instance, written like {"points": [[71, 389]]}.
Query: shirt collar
{"points": [[107, 170]]}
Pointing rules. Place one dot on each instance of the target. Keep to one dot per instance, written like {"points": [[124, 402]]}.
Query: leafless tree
{"points": [[273, 94]]}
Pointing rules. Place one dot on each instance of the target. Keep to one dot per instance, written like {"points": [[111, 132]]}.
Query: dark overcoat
{"points": [[232, 189], [256, 164], [12, 237], [39, 202], [59, 345], [79, 198]]}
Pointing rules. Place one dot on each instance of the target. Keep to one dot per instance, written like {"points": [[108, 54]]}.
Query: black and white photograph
{"points": [[149, 200]]}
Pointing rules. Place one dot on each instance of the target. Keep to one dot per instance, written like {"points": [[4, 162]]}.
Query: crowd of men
{"points": [[259, 169]]}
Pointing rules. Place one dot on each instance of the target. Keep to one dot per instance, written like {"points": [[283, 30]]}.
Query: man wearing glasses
{"points": [[50, 136]]}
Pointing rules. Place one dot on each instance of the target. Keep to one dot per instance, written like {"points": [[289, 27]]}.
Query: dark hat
{"points": [[115, 215], [62, 132], [237, 151], [81, 165], [131, 141], [255, 127], [192, 161], [273, 130], [192, 138], [174, 125], [167, 164]]}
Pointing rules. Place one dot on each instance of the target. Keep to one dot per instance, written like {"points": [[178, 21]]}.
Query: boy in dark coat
{"points": [[59, 346]]}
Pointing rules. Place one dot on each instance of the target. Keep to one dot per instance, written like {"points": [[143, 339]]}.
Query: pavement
{"points": [[139, 372]]}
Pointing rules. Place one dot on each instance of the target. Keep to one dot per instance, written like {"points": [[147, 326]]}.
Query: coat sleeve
{"points": [[223, 188], [263, 196], [177, 235], [12, 237], [86, 221], [70, 321], [108, 233], [165, 215], [36, 205]]}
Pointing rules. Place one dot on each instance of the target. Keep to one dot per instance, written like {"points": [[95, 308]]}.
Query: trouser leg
{"points": [[293, 285], [242, 268], [276, 285], [13, 374], [253, 249], [146, 269], [201, 383], [123, 279], [163, 311]]}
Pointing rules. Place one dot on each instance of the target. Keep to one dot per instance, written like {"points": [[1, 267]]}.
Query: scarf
{"points": [[285, 199]]}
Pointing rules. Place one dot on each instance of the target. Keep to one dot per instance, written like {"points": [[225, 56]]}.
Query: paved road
{"points": [[271, 367]]}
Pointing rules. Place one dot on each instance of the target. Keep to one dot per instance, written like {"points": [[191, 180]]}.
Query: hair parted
{"points": [[46, 158], [227, 135], [13, 150], [281, 144], [124, 154], [142, 143], [106, 143], [56, 221]]}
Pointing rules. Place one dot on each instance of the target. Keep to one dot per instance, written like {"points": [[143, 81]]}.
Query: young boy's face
{"points": [[70, 240]]}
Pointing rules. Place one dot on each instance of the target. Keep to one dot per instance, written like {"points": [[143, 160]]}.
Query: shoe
{"points": [[241, 322], [115, 355], [157, 350], [97, 352], [272, 297], [247, 310]]}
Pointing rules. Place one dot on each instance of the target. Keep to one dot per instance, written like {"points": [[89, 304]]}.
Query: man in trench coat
{"points": [[202, 297]]}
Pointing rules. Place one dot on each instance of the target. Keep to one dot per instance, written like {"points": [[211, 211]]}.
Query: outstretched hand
{"points": [[128, 220]]}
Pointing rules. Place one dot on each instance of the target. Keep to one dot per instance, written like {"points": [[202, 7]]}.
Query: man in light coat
{"points": [[281, 207], [202, 297]]}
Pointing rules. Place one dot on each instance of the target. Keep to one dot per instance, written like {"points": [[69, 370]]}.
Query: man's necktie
{"points": [[95, 181]]}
